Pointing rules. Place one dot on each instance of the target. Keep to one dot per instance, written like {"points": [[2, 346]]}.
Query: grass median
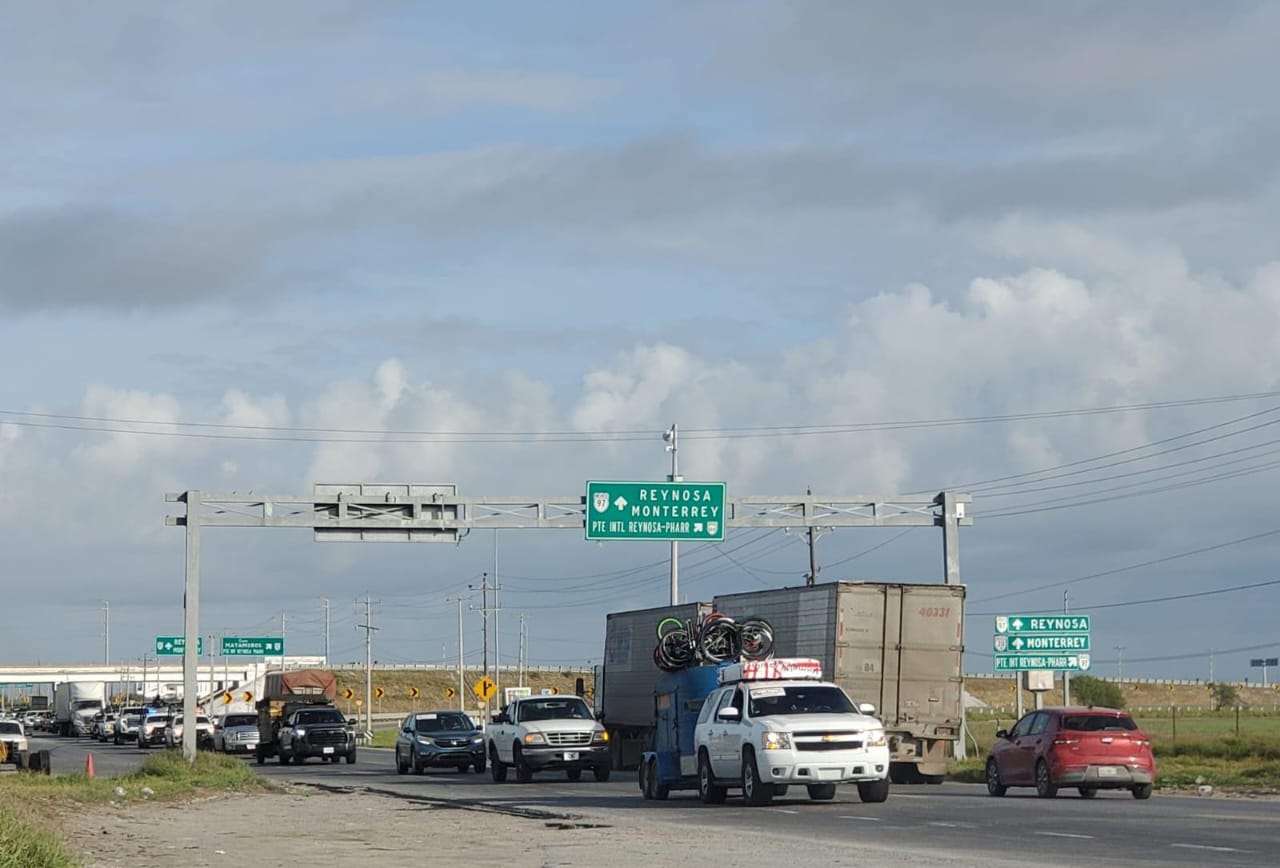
{"points": [[31, 803]]}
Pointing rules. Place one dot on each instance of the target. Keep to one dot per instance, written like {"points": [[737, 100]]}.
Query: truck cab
{"points": [[536, 733], [770, 724]]}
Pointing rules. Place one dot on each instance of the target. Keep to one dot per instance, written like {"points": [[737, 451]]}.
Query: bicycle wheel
{"points": [[673, 652], [719, 641], [757, 638]]}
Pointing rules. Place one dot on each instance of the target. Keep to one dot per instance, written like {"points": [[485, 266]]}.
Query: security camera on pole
{"points": [[670, 437]]}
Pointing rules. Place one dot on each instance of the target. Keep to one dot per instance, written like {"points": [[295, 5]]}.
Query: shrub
{"points": [[1087, 690]]}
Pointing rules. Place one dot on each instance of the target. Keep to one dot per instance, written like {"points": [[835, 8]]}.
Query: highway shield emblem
{"points": [[712, 527], [1084, 661], [1002, 644], [1002, 623], [600, 500]]}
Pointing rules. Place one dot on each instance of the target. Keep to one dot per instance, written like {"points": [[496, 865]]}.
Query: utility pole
{"points": [[485, 609], [812, 577], [144, 679], [1120, 664], [461, 682], [1066, 675], [671, 436], [1210, 665], [524, 639], [368, 628], [497, 633], [324, 601], [282, 615], [106, 633]]}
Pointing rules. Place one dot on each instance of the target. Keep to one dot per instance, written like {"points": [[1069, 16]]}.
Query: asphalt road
{"points": [[1112, 829]]}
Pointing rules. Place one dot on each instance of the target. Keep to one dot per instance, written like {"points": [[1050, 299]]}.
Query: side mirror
{"points": [[866, 708], [1002, 733], [408, 729], [351, 721], [729, 713]]}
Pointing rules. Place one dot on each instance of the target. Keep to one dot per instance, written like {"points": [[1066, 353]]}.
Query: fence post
{"points": [[1237, 720], [1175, 723]]}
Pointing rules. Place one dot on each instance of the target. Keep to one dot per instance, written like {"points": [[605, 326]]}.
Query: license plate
{"points": [[328, 750], [1107, 771], [571, 755]]}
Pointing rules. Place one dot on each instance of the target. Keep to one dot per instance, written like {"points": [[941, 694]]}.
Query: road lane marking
{"points": [[1064, 835], [784, 811], [864, 819], [1207, 847], [955, 825]]}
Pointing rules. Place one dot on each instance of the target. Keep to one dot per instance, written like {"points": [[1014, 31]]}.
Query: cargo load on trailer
{"points": [[297, 718]]}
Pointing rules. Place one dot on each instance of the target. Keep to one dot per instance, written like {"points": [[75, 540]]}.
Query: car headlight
{"points": [[775, 740], [873, 738], [299, 732], [479, 739], [535, 738], [424, 739], [600, 737]]}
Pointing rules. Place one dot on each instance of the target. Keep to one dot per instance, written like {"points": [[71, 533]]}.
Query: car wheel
{"points": [[708, 790], [462, 769], [351, 757], [260, 755], [401, 768], [497, 768], [1045, 787], [478, 765], [874, 791], [755, 792], [1142, 791], [601, 773], [298, 759], [524, 774], [574, 774], [994, 787], [1088, 792], [418, 767], [821, 792]]}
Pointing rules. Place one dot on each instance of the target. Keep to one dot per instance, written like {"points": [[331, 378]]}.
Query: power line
{"points": [[292, 434], [1167, 599]]}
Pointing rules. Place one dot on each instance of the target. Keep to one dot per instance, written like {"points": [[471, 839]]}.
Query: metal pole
{"points": [[524, 649], [325, 602], [1120, 664], [368, 664], [191, 627], [497, 633], [1066, 675], [106, 633], [952, 512], [282, 616], [671, 436], [461, 685]]}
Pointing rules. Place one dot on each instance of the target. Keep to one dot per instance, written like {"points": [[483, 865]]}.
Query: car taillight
{"points": [[1061, 740], [1142, 742]]}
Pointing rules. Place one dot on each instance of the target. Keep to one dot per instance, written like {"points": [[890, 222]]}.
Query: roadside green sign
{"points": [[1042, 623], [252, 646], [655, 511], [1059, 662], [176, 645], [1019, 643]]}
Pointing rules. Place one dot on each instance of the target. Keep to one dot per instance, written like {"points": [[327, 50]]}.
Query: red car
{"points": [[1090, 749]]}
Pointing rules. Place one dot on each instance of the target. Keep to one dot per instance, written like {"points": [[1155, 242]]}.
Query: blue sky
{"points": [[611, 217]]}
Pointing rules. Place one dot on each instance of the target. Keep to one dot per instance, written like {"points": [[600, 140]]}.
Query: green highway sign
{"points": [[655, 511], [176, 645], [1042, 642], [18, 686], [1059, 662], [252, 646], [1042, 623]]}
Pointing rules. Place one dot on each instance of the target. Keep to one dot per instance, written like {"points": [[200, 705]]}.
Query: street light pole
{"points": [[670, 435]]}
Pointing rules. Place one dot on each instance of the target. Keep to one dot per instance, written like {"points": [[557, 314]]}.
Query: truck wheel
{"points": [[497, 768], [708, 790], [351, 757], [524, 774], [755, 792], [657, 791], [259, 754], [574, 774], [933, 779], [601, 773], [401, 768], [821, 792], [298, 759], [646, 786], [874, 791]]}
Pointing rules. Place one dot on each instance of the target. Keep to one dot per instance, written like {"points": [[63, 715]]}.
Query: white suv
{"points": [[774, 723]]}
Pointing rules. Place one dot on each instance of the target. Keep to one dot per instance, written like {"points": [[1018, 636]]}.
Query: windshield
{"points": [[240, 720], [1097, 723], [86, 703], [818, 699], [556, 708], [454, 721], [320, 715], [10, 727]]}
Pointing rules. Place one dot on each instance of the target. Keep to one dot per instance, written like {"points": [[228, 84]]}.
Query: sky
{"points": [[1026, 251]]}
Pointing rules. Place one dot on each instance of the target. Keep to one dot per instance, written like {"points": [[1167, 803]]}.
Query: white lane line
{"points": [[1064, 835], [784, 811], [1207, 847], [955, 825], [864, 819]]}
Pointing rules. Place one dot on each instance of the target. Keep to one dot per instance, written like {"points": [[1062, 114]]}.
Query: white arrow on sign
{"points": [[1017, 643], [1016, 623], [620, 503]]}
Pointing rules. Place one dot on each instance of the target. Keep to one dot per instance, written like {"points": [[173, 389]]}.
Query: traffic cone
{"points": [[88, 765]]}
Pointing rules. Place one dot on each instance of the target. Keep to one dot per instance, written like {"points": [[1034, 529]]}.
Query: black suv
{"points": [[316, 730]]}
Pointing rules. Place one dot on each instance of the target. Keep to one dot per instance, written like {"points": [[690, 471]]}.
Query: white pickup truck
{"points": [[774, 723], [535, 733]]}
